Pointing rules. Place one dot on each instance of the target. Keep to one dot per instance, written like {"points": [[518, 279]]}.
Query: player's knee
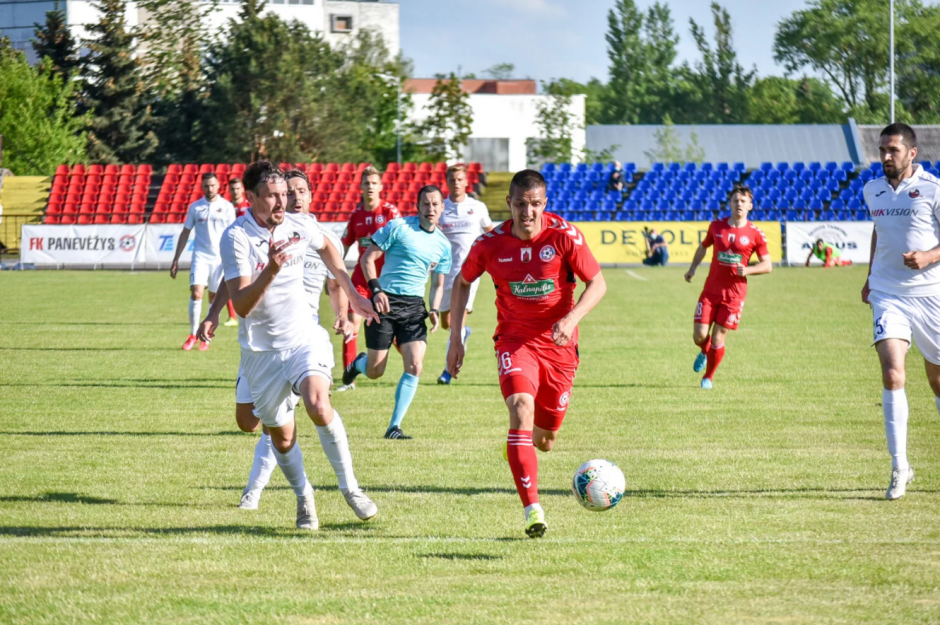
{"points": [[246, 419], [445, 321], [320, 411], [699, 337], [282, 445], [893, 378], [413, 368], [545, 443], [375, 371]]}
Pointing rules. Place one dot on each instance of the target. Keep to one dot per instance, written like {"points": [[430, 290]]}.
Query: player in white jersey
{"points": [[284, 355], [903, 285], [209, 217], [316, 274], [464, 219]]}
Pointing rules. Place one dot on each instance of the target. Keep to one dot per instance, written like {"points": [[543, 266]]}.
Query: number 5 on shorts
{"points": [[879, 327]]}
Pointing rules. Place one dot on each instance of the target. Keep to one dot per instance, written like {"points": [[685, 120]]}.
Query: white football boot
{"points": [[900, 478], [307, 511]]}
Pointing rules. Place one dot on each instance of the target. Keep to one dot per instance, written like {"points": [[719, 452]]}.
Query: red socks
{"points": [[231, 310], [706, 345], [349, 350], [715, 354], [524, 465]]}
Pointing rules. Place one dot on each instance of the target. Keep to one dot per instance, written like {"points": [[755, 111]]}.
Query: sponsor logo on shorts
{"points": [[532, 288], [563, 400], [727, 258], [547, 253]]}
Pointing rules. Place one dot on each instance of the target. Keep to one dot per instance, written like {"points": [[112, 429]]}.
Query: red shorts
{"points": [[723, 310], [545, 373]]}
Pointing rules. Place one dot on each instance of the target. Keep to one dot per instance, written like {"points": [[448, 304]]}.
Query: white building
{"points": [[505, 115], [337, 20]]}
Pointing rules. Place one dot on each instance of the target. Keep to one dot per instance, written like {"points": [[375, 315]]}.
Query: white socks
{"points": [[292, 464], [263, 465], [336, 447], [195, 310], [894, 405], [463, 338]]}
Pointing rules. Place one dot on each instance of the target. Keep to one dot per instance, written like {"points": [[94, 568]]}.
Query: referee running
{"points": [[414, 247]]}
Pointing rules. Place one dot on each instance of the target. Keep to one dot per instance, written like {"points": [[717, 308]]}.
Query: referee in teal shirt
{"points": [[414, 248]]}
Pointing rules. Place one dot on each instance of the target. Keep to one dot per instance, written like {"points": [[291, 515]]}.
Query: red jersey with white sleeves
{"points": [[242, 207], [535, 279], [733, 246], [362, 225]]}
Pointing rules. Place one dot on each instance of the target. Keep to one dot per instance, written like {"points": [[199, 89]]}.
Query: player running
{"points": [[414, 247], [315, 272], [209, 216], [368, 217], [828, 253], [464, 219], [236, 189], [533, 260], [903, 285], [283, 354], [735, 239]]}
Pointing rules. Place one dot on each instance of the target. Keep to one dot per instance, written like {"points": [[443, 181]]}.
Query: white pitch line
{"points": [[633, 274]]}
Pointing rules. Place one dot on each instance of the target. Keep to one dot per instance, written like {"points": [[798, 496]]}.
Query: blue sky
{"points": [[563, 38]]}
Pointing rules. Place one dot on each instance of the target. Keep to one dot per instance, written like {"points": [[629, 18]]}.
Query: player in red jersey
{"points": [[735, 239], [368, 217], [533, 260], [237, 190]]}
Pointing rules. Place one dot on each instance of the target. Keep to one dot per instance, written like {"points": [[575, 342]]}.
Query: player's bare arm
{"points": [[437, 293], [211, 322], [339, 303], [594, 291], [696, 261], [921, 260], [459, 296], [180, 246], [866, 290], [367, 262], [765, 265], [334, 262], [247, 294]]}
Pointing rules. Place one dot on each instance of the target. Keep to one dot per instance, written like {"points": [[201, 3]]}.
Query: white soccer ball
{"points": [[598, 485]]}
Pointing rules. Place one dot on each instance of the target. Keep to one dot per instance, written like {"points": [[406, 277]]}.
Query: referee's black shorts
{"points": [[404, 323]]}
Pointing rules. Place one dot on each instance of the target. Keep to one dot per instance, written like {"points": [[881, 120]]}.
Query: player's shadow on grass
{"points": [[105, 384], [91, 323], [89, 349], [107, 433], [461, 556], [60, 498], [769, 493], [419, 490]]}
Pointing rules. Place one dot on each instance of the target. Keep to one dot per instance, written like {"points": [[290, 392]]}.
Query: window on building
{"points": [[341, 23]]}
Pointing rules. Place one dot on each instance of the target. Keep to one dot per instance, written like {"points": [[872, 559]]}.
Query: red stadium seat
{"points": [[191, 168], [440, 168], [79, 170], [389, 178], [409, 167], [331, 207], [332, 167], [137, 207], [341, 187], [54, 209], [400, 187], [348, 207], [112, 170], [103, 209], [158, 218], [426, 167], [316, 168], [135, 219], [96, 170], [84, 220], [67, 219], [50, 220], [125, 179], [423, 177], [73, 197], [177, 207], [120, 208], [313, 177], [56, 198], [344, 176], [406, 176], [174, 169], [393, 197], [62, 170], [119, 218], [145, 169], [475, 167], [102, 219], [128, 169], [122, 188], [189, 179], [352, 196], [161, 207], [86, 208], [206, 168], [143, 179], [69, 208], [361, 166], [335, 197], [393, 167], [316, 206], [223, 168], [348, 167], [238, 169]]}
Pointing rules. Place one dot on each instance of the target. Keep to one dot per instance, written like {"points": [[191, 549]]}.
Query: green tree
{"points": [[669, 148], [113, 92], [777, 100], [500, 71], [55, 46], [38, 121], [719, 84], [556, 125], [918, 65], [594, 90], [641, 49], [447, 126]]}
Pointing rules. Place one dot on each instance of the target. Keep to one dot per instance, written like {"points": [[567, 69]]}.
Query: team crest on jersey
{"points": [[380, 220], [731, 238], [526, 254], [547, 253], [470, 211], [294, 237], [914, 194], [368, 221], [745, 240]]}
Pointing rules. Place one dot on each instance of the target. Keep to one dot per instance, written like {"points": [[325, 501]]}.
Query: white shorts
{"points": [[898, 317], [449, 286], [206, 272], [273, 378]]}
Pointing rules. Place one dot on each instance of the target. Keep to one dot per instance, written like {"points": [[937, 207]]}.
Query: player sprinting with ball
{"points": [[903, 285], [719, 307], [533, 259]]}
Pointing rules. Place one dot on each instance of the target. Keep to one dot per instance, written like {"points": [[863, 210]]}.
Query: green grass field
{"points": [[761, 501]]}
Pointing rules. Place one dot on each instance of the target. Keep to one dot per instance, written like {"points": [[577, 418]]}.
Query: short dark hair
{"points": [[296, 173], [743, 190], [906, 133], [431, 188], [261, 172], [235, 180], [527, 179], [209, 176]]}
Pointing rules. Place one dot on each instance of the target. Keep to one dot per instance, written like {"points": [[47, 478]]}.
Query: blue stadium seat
{"points": [[595, 176], [807, 174], [833, 186], [575, 205], [823, 194], [582, 196], [782, 167], [680, 205], [807, 195], [609, 206], [848, 166], [554, 187], [577, 176], [669, 196], [815, 166], [846, 195], [837, 205], [772, 215], [690, 167], [783, 204], [565, 167], [655, 216], [688, 195], [798, 166], [587, 216], [670, 216], [809, 216], [759, 195], [664, 205], [854, 204], [597, 167], [827, 215], [790, 175], [724, 214], [697, 205], [548, 167], [757, 214], [571, 187], [862, 216], [843, 216], [876, 167], [814, 185], [793, 215], [815, 205], [560, 176], [727, 186], [840, 175], [620, 216], [734, 175], [791, 195], [799, 185], [767, 204], [739, 167], [831, 166], [774, 176], [707, 167], [757, 175], [675, 167], [613, 196], [658, 167], [668, 176], [630, 205], [654, 194], [592, 205], [684, 176], [823, 175], [582, 167], [774, 195], [713, 205], [630, 167], [647, 205], [597, 196], [799, 205], [721, 167], [687, 216], [703, 215]]}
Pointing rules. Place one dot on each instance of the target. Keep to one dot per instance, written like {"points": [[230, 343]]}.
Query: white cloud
{"points": [[538, 7]]}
